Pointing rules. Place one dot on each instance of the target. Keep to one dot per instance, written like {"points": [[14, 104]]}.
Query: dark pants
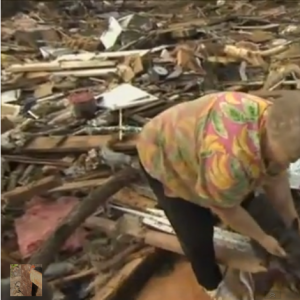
{"points": [[194, 227]]}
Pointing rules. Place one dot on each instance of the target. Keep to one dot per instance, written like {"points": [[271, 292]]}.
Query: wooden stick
{"points": [[21, 194], [82, 211], [81, 274]]}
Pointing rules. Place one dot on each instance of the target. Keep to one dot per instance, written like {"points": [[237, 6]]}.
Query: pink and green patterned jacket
{"points": [[207, 151]]}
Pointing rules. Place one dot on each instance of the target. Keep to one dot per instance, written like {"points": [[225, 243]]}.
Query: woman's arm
{"points": [[241, 221], [228, 185], [278, 192]]}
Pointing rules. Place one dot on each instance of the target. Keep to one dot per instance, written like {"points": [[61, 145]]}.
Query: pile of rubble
{"points": [[78, 83]]}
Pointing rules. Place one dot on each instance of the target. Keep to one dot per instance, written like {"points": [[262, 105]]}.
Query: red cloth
{"points": [[39, 222]]}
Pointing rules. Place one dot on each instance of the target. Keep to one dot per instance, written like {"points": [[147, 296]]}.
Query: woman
{"points": [[202, 158]]}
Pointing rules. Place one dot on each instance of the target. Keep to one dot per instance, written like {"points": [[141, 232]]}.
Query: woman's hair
{"points": [[283, 123]]}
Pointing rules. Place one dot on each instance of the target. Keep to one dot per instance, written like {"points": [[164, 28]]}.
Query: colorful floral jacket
{"points": [[207, 151]]}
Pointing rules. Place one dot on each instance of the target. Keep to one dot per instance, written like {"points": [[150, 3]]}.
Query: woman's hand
{"points": [[241, 221], [272, 246]]}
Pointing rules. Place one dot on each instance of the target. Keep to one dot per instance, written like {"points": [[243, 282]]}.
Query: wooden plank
{"points": [[81, 212], [123, 277], [21, 194], [130, 198], [78, 185], [26, 285], [71, 144], [226, 254], [66, 144]]}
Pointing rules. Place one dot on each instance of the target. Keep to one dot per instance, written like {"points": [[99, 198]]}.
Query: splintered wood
{"points": [[113, 285], [132, 65]]}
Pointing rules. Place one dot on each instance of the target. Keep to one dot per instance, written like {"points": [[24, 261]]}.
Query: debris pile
{"points": [[79, 82]]}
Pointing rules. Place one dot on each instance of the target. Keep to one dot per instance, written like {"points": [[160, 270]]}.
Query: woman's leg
{"points": [[193, 226]]}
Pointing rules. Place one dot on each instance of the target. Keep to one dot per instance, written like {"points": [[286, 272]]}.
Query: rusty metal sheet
{"points": [[26, 284]]}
